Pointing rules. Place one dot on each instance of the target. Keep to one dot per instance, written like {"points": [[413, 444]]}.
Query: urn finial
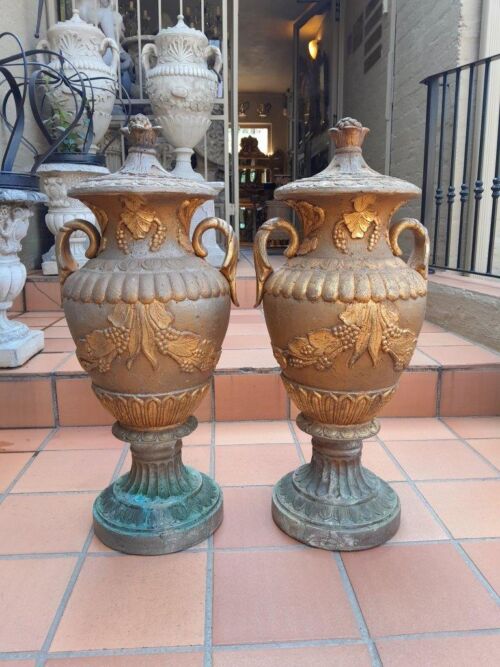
{"points": [[348, 134], [140, 132]]}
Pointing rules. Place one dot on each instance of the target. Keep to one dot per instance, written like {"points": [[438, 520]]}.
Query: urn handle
{"points": [[108, 43], [65, 260], [419, 258], [215, 52], [228, 268], [262, 267], [149, 51]]}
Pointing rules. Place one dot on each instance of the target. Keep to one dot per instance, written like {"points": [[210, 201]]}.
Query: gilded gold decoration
{"points": [[145, 329], [102, 220], [366, 327], [358, 222], [230, 263], [263, 268], [338, 407], [419, 258], [151, 410], [65, 260], [312, 219], [184, 213], [136, 221]]}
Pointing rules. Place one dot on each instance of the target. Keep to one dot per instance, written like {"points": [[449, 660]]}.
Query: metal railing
{"points": [[461, 179]]}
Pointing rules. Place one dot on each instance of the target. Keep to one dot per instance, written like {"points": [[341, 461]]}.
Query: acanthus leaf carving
{"points": [[184, 214], [312, 219]]}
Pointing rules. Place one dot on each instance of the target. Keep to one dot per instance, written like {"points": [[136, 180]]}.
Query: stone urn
{"points": [[56, 178], [182, 88], [148, 315], [343, 314], [85, 47], [18, 342]]}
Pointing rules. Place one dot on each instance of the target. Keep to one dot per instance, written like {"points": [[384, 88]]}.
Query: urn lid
{"points": [[75, 24], [181, 31], [141, 172], [348, 172]]}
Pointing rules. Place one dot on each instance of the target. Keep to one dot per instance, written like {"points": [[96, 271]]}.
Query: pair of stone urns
{"points": [[148, 314]]}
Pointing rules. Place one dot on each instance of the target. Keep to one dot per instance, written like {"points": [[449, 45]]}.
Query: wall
{"points": [[276, 118], [20, 19], [365, 94]]}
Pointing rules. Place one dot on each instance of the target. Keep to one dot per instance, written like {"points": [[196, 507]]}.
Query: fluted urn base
{"points": [[161, 505], [333, 502]]}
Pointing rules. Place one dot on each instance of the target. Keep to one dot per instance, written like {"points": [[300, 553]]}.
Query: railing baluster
{"points": [[478, 185], [439, 190], [451, 186], [495, 193], [464, 188]]}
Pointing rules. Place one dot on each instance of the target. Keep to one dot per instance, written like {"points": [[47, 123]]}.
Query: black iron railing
{"points": [[461, 179]]}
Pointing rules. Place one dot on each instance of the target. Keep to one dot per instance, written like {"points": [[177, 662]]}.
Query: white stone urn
{"points": [[182, 88], [55, 181], [85, 47], [18, 342]]}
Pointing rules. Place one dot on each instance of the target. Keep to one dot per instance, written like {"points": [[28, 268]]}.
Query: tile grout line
{"points": [[356, 610], [472, 567], [470, 447], [28, 464], [43, 653]]}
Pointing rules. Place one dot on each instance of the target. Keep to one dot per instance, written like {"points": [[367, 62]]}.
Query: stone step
{"points": [[448, 376]]}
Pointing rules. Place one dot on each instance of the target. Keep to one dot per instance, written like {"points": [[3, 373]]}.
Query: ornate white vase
{"points": [[55, 181], [18, 343], [182, 88], [85, 47]]}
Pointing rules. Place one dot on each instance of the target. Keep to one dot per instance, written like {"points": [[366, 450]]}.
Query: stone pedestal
{"points": [[333, 502], [161, 505], [18, 343], [55, 181]]}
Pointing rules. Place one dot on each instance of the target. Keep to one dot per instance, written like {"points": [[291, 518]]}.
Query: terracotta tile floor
{"points": [[250, 596]]}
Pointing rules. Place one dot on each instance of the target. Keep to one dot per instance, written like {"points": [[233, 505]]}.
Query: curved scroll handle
{"points": [[262, 267], [65, 260], [148, 51], [228, 268], [419, 258], [215, 52], [108, 43]]}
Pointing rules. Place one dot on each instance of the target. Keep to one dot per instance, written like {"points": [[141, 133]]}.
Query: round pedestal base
{"points": [[153, 527], [333, 502], [336, 526], [160, 505]]}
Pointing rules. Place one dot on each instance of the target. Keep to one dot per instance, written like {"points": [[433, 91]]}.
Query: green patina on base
{"points": [[161, 505], [333, 502]]}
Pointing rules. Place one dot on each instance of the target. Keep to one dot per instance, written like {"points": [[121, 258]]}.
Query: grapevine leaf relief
{"points": [[136, 221], [358, 222], [366, 327], [145, 329]]}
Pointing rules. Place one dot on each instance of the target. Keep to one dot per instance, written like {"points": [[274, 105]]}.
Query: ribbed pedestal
{"points": [[333, 502], [161, 505]]}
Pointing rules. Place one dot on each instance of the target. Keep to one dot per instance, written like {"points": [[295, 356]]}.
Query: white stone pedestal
{"points": [[18, 343], [55, 181]]}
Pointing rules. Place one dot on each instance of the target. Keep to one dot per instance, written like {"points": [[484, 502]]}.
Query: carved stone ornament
{"points": [[85, 46], [18, 342], [55, 181], [148, 315], [343, 314], [182, 88]]}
